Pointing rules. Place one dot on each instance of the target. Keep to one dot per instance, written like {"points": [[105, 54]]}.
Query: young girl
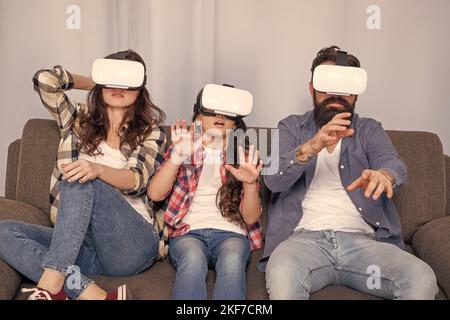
{"points": [[108, 151], [214, 209]]}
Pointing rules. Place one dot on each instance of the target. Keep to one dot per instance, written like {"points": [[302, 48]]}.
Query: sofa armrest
{"points": [[20, 211], [12, 167], [431, 243], [447, 182]]}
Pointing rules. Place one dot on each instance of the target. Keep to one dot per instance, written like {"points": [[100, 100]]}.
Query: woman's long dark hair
{"points": [[141, 117], [228, 198]]}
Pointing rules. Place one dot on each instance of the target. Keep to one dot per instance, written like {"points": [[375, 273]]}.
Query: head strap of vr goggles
{"points": [[341, 58]]}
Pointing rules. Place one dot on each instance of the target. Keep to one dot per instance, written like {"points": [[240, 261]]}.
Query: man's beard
{"points": [[323, 115]]}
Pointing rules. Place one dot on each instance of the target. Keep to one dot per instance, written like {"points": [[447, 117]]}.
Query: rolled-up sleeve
{"points": [[382, 154], [290, 170], [145, 160], [51, 86]]}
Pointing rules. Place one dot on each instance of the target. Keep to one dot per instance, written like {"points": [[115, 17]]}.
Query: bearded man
{"points": [[332, 220]]}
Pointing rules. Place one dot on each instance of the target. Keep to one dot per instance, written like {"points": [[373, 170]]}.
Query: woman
{"points": [[108, 151], [214, 209]]}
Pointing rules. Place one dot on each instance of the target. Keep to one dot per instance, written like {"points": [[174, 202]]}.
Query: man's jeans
{"points": [[311, 260], [193, 253], [96, 231]]}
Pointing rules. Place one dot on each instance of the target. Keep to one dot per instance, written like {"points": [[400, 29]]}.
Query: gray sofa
{"points": [[423, 203]]}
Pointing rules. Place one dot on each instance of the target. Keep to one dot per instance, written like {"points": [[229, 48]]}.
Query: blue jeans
{"points": [[192, 254], [311, 260], [96, 230]]}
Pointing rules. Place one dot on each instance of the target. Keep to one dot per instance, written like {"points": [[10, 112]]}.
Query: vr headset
{"points": [[225, 100], [340, 79], [119, 73]]}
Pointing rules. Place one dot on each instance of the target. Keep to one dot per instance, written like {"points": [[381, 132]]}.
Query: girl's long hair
{"points": [[141, 117], [228, 198]]}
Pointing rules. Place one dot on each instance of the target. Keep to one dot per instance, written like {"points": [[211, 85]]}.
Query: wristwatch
{"points": [[391, 179], [301, 157]]}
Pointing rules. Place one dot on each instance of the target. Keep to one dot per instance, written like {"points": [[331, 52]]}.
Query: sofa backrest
{"points": [[422, 199], [38, 149], [447, 182], [11, 169]]}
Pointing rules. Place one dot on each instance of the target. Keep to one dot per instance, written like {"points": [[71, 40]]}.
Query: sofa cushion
{"points": [[158, 281], [256, 281], [10, 280], [15, 210], [157, 284], [432, 245], [154, 284]]}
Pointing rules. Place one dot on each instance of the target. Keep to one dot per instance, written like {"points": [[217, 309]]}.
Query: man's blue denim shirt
{"points": [[368, 148]]}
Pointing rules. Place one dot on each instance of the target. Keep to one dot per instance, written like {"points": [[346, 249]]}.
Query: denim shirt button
{"points": [[281, 172], [360, 209], [342, 167], [377, 223], [292, 161]]}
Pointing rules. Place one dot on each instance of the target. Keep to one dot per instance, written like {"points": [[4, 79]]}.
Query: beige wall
{"points": [[33, 35], [265, 46]]}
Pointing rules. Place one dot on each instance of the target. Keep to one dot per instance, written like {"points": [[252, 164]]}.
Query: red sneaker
{"points": [[121, 293], [41, 294]]}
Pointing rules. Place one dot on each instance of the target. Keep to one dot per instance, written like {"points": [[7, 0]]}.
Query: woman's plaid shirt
{"points": [[182, 195], [143, 161]]}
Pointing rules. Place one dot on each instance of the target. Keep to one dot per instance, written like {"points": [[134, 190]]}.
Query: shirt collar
{"points": [[308, 121]]}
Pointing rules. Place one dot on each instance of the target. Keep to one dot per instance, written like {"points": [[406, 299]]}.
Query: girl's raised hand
{"points": [[249, 167], [183, 142]]}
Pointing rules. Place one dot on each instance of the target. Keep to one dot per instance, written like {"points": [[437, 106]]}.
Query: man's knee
{"points": [[286, 279], [418, 281]]}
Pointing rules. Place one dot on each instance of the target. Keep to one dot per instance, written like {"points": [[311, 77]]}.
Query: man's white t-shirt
{"points": [[326, 205], [115, 159], [203, 212]]}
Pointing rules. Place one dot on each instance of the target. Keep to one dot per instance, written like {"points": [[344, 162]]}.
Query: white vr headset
{"points": [[123, 74], [225, 100], [340, 79]]}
